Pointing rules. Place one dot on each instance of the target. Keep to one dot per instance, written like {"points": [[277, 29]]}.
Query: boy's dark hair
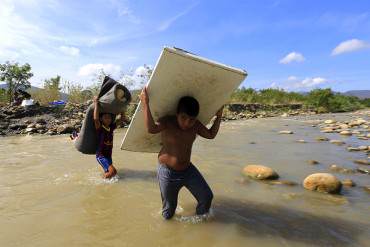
{"points": [[188, 105], [103, 113]]}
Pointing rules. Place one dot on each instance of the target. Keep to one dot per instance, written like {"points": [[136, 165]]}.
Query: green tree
{"points": [[76, 92], [3, 96], [52, 87], [138, 78], [320, 99], [16, 77], [246, 95]]}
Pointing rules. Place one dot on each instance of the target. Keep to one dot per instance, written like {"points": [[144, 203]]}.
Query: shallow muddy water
{"points": [[51, 195]]}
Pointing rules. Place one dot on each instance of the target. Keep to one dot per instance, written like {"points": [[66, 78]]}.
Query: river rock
{"points": [[330, 121], [41, 131], [348, 183], [362, 138], [345, 133], [362, 162], [357, 122], [362, 148], [363, 170], [285, 132], [4, 126], [259, 172], [337, 142], [27, 121], [65, 128], [40, 121], [336, 168], [29, 130], [283, 182], [327, 130], [17, 126], [301, 141], [351, 149], [322, 182], [39, 126], [313, 162], [322, 138], [366, 188], [51, 132]]}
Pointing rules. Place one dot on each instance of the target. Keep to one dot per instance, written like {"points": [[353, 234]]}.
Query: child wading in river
{"points": [[105, 126], [175, 169]]}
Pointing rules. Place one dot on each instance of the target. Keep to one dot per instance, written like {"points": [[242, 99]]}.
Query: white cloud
{"points": [[274, 85], [292, 57], [94, 68], [123, 10], [70, 50], [23, 35], [295, 83], [138, 78], [350, 46], [309, 82]]}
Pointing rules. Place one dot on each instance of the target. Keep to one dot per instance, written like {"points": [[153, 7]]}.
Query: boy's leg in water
{"points": [[106, 164], [74, 135], [110, 172], [114, 170], [169, 184], [199, 188]]}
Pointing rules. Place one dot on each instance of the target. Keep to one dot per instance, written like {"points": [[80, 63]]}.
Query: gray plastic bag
{"points": [[114, 100]]}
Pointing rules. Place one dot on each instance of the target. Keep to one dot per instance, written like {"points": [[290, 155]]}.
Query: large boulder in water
{"points": [[259, 172], [322, 182]]}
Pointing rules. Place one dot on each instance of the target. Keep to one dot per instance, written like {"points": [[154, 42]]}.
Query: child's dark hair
{"points": [[188, 105], [103, 113]]}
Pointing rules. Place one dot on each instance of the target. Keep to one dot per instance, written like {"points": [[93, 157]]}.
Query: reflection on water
{"points": [[51, 195]]}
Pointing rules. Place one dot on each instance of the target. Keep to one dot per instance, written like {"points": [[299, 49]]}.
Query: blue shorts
{"points": [[105, 162]]}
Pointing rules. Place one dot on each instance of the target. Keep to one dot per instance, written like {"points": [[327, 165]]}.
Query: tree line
{"points": [[17, 76]]}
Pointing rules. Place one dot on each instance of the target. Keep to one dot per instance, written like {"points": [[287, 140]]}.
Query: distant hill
{"points": [[362, 94], [63, 96]]}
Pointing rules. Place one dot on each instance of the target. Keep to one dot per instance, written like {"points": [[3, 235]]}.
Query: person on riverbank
{"points": [[175, 169], [105, 127]]}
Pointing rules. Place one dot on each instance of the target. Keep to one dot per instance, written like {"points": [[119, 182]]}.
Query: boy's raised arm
{"points": [[212, 132], [151, 126], [96, 113]]}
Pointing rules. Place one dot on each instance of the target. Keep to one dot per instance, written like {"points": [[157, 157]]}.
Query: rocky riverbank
{"points": [[16, 120], [41, 119], [236, 111]]}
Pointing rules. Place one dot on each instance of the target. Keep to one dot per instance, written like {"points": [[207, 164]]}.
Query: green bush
{"points": [[320, 100], [365, 102], [325, 100], [3, 96], [246, 95]]}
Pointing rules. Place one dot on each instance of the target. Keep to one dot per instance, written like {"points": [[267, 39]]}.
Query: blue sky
{"points": [[295, 45]]}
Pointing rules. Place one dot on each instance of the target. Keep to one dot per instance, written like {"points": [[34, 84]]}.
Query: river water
{"points": [[51, 195]]}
